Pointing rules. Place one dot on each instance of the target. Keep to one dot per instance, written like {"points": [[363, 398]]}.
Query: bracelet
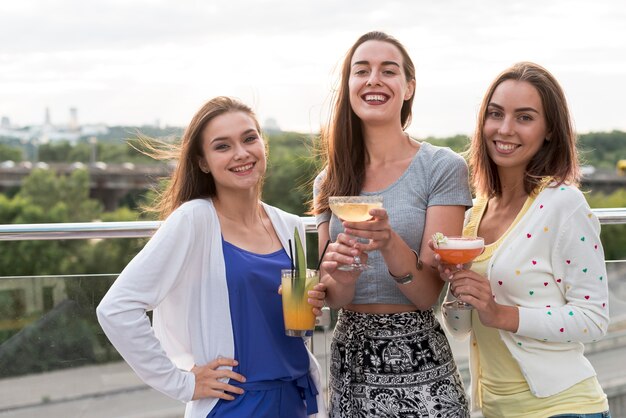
{"points": [[418, 262], [409, 277]]}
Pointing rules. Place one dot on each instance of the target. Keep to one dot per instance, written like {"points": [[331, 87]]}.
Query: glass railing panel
{"points": [[55, 359]]}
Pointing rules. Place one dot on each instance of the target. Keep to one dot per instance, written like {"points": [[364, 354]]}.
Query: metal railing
{"points": [[91, 230], [139, 229]]}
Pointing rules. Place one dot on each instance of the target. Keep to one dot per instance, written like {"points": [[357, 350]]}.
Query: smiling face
{"points": [[234, 152], [377, 84], [515, 125]]}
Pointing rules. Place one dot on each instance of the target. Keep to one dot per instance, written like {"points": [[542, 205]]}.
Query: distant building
{"points": [[73, 125], [48, 132]]}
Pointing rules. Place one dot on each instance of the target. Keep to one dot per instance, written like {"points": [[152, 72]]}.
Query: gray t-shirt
{"points": [[435, 177]]}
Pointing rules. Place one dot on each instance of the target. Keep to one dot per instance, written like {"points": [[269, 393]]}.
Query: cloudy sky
{"points": [[138, 61]]}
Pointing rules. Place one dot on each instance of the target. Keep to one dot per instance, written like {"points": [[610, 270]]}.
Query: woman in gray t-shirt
{"points": [[390, 356]]}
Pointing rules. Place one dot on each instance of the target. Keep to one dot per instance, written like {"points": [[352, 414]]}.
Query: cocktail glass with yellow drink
{"points": [[295, 285], [298, 313], [457, 250], [354, 209]]}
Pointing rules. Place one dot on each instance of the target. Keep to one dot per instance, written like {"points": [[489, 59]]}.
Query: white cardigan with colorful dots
{"points": [[551, 265]]}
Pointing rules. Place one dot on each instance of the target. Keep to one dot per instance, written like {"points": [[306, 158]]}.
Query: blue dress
{"points": [[276, 367]]}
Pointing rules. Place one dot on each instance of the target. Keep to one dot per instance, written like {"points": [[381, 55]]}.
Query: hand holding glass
{"points": [[354, 209], [459, 250], [297, 311]]}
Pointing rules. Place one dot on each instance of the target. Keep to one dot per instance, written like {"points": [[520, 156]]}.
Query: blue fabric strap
{"points": [[307, 388], [304, 383]]}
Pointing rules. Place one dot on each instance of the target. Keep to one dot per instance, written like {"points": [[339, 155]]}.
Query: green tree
{"points": [[110, 256], [602, 149], [55, 151], [83, 151], [65, 197], [291, 170], [46, 198], [11, 153], [19, 258], [458, 143]]}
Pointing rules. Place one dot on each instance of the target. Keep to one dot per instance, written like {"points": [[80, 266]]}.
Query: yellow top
{"points": [[502, 388]]}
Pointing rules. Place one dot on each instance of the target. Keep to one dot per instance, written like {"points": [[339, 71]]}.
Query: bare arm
{"points": [[340, 285], [424, 290]]}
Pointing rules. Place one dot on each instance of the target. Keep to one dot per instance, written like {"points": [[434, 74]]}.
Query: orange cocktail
{"points": [[297, 311], [459, 250]]}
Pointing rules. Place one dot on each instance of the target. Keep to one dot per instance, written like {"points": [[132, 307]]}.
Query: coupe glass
{"points": [[459, 250], [354, 209]]}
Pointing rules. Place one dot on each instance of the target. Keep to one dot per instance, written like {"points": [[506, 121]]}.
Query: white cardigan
{"points": [[180, 274], [551, 265]]}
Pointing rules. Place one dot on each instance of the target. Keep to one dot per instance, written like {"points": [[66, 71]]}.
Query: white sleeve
{"points": [[141, 286], [578, 262]]}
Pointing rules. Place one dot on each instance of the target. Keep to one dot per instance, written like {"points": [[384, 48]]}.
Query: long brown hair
{"points": [[342, 144], [188, 181], [558, 156]]}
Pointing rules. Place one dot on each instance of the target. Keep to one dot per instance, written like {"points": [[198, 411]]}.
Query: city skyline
{"points": [[137, 62]]}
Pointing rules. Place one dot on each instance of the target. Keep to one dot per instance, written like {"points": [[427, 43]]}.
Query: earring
{"points": [[204, 171], [547, 139]]}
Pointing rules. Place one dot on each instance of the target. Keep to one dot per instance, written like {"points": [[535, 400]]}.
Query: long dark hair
{"points": [[188, 181], [558, 156], [342, 144]]}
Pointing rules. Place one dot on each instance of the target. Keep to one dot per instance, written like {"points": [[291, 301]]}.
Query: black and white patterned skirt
{"points": [[393, 365]]}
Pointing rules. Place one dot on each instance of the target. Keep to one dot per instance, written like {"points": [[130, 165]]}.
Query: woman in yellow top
{"points": [[539, 290]]}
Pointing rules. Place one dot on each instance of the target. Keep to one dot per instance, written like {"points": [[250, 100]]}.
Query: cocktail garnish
{"points": [[299, 275], [438, 239]]}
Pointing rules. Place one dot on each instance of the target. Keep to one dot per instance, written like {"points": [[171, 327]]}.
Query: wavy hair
{"points": [[188, 182], [558, 156]]}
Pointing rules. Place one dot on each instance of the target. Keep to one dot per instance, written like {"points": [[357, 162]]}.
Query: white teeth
{"points": [[375, 97], [505, 147], [243, 168]]}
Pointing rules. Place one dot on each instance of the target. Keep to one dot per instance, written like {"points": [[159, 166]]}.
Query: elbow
{"points": [[594, 329], [600, 325], [104, 313], [101, 314], [601, 329]]}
